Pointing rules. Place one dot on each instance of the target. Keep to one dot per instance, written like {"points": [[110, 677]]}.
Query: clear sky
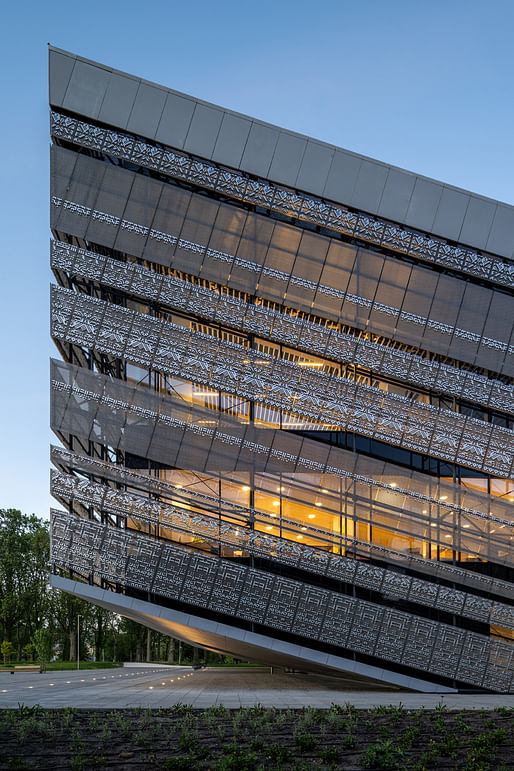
{"points": [[427, 86]]}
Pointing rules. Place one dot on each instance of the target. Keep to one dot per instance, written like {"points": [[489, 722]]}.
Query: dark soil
{"points": [[219, 739]]}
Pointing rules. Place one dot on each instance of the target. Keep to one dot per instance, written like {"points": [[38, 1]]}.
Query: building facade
{"points": [[284, 397]]}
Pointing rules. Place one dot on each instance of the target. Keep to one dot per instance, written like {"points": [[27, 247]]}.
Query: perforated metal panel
{"points": [[118, 556]]}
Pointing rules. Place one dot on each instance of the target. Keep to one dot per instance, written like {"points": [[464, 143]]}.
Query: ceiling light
{"points": [[309, 364], [269, 527], [425, 511], [433, 524], [299, 537], [276, 503], [393, 484], [304, 528], [318, 503], [324, 491], [245, 489], [312, 516], [465, 525], [280, 489], [443, 498], [179, 487]]}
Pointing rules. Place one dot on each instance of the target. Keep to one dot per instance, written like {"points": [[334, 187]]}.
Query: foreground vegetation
{"points": [[256, 738]]}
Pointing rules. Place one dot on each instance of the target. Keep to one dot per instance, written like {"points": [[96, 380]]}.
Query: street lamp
{"points": [[78, 640]]}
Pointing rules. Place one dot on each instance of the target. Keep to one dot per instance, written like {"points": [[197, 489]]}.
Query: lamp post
{"points": [[78, 640]]}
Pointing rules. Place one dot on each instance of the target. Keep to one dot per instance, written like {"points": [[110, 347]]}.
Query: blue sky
{"points": [[425, 86]]}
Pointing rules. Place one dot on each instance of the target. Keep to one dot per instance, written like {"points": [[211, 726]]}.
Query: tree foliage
{"points": [[38, 620]]}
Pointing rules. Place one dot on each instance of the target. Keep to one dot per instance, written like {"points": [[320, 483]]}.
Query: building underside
{"points": [[284, 402]]}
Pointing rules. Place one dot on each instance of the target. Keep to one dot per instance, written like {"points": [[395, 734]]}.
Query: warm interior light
{"points": [[311, 516], [245, 489], [280, 489], [309, 364], [299, 537], [443, 498], [465, 525], [269, 527], [276, 503], [393, 484], [179, 487], [318, 503], [273, 515], [447, 536], [304, 528], [433, 524], [425, 511], [324, 491]]}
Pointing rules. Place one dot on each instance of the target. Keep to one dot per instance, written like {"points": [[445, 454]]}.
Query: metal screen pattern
{"points": [[284, 604], [248, 275], [238, 535], [258, 319], [152, 487], [249, 374], [283, 200], [129, 417]]}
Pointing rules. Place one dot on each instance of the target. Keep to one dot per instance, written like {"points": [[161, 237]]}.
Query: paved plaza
{"points": [[152, 686]]}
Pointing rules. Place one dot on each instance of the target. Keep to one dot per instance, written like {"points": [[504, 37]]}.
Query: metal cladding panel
{"points": [[478, 221], [146, 110], [369, 186], [175, 120], [86, 89], [424, 203], [119, 100], [88, 92], [284, 604], [283, 200], [342, 176], [314, 167], [396, 195], [231, 140], [287, 158], [502, 229], [203, 130], [450, 213], [263, 245], [259, 149], [60, 67]]}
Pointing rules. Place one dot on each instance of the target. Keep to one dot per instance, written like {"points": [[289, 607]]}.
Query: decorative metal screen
{"points": [[210, 529], [283, 604], [363, 226], [311, 395], [155, 487], [261, 320]]}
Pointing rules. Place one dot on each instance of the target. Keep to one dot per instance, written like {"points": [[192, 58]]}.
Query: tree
{"points": [[7, 649], [44, 644], [24, 553]]}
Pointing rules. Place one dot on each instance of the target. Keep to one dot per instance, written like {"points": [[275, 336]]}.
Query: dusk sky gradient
{"points": [[424, 86]]}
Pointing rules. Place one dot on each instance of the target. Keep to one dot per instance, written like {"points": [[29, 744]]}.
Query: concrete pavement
{"points": [[158, 686]]}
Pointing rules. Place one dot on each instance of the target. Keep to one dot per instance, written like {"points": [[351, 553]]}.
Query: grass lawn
{"points": [[257, 739], [53, 666]]}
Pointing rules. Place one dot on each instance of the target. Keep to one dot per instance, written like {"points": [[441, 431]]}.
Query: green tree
{"points": [[24, 553], [7, 649], [44, 644]]}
